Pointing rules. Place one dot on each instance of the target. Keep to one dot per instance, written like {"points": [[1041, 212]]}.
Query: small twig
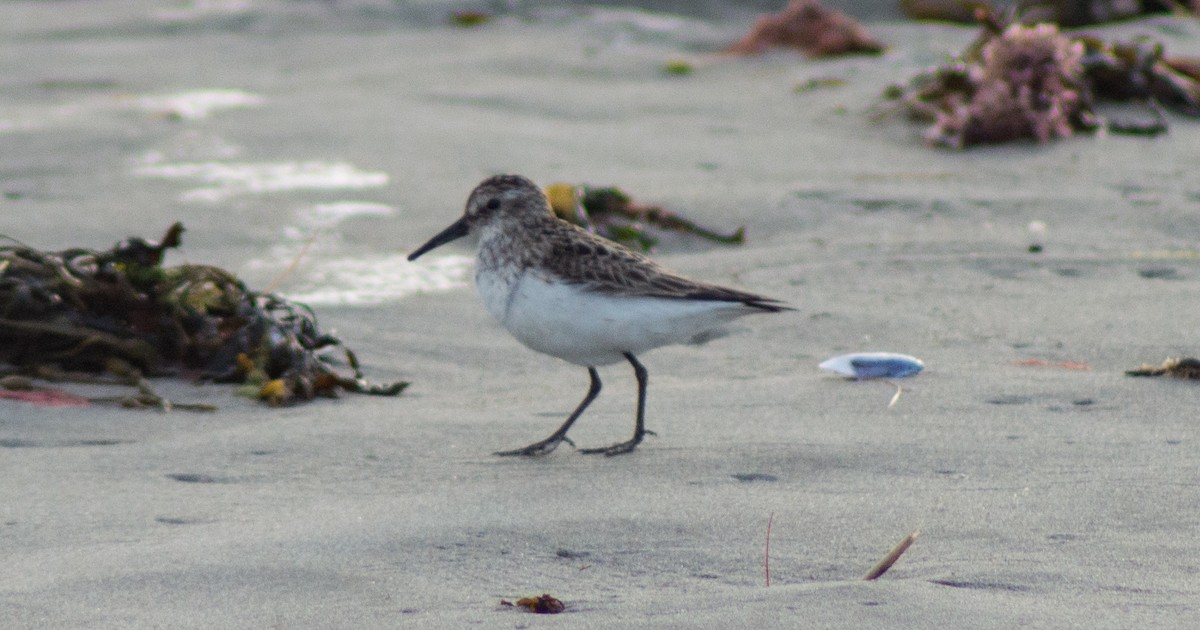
{"points": [[896, 397], [767, 551], [141, 401], [122, 374], [14, 240], [292, 266], [892, 556]]}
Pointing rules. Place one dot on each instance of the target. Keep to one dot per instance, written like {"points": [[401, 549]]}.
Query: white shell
{"points": [[864, 365]]}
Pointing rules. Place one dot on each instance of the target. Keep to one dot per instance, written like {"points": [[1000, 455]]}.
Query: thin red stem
{"points": [[767, 551]]}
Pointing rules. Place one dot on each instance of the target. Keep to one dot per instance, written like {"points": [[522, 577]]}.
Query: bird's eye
{"points": [[492, 204]]}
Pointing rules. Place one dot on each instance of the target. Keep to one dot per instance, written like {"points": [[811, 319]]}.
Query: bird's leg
{"points": [[552, 442], [639, 429]]}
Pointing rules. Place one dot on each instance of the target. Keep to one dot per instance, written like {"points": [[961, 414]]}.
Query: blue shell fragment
{"points": [[864, 365]]}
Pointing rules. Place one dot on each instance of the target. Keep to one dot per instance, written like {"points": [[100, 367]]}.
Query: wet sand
{"points": [[1050, 489]]}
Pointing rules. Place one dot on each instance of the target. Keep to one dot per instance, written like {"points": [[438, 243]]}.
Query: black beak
{"points": [[457, 230]]}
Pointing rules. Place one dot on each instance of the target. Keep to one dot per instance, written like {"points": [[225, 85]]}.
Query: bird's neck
{"points": [[502, 247]]}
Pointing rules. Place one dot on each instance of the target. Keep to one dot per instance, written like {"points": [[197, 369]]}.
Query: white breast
{"points": [[589, 328], [494, 289]]}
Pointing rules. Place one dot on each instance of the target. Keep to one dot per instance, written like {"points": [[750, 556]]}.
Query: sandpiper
{"points": [[568, 293]]}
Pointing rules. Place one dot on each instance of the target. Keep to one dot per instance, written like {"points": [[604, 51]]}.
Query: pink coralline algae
{"points": [[1029, 85], [1033, 82]]}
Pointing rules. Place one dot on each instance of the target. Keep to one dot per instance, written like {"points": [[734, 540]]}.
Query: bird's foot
{"points": [[537, 449], [619, 448]]}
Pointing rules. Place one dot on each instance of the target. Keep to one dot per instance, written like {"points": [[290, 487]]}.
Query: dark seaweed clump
{"points": [[611, 213], [88, 311]]}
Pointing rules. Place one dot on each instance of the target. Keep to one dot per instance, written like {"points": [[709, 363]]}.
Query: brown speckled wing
{"points": [[578, 257]]}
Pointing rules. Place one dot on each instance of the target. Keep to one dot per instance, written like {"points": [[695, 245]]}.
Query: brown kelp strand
{"points": [[86, 311], [611, 213], [1185, 368], [1064, 12], [1019, 81], [808, 26], [545, 604]]}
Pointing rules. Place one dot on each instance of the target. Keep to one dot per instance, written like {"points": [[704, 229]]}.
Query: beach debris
{"points": [[76, 314], [883, 366], [544, 604], [611, 213], [754, 476], [468, 18], [819, 83], [868, 365], [808, 26], [1064, 12], [1186, 368], [22, 388], [1028, 83], [1019, 81], [767, 551], [1062, 365], [1140, 70], [1037, 230], [892, 556], [678, 68], [117, 373], [1081, 12]]}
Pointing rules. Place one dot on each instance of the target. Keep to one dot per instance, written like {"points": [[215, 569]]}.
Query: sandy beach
{"points": [[1050, 489]]}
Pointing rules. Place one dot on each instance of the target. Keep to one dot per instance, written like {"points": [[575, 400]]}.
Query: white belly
{"points": [[591, 329]]}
